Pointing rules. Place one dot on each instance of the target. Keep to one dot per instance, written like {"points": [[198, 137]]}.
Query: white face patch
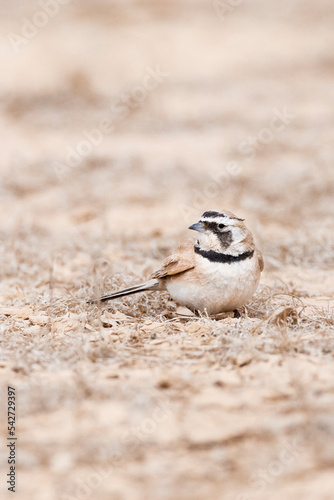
{"points": [[209, 241], [238, 234]]}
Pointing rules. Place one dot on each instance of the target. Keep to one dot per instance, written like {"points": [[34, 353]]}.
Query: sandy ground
{"points": [[121, 122]]}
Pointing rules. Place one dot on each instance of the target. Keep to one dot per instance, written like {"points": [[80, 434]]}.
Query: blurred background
{"points": [[185, 88], [121, 122]]}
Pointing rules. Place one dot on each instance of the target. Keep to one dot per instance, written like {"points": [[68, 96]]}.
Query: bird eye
{"points": [[221, 226]]}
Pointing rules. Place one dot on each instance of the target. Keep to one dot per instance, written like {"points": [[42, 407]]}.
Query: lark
{"points": [[219, 272]]}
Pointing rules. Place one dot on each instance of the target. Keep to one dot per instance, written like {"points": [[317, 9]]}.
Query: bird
{"points": [[216, 273]]}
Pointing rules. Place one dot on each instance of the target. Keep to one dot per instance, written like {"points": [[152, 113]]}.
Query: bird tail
{"points": [[148, 285]]}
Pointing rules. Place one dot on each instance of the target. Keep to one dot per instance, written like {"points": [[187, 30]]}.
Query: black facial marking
{"points": [[213, 256], [212, 213], [225, 237]]}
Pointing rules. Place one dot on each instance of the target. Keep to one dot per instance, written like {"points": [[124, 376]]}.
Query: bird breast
{"points": [[215, 287]]}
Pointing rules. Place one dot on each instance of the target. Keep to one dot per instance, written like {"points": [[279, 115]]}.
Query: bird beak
{"points": [[197, 227]]}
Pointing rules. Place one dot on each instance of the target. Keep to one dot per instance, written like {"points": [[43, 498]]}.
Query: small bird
{"points": [[219, 272]]}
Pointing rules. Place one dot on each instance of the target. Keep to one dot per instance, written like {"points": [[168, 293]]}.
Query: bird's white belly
{"points": [[217, 287]]}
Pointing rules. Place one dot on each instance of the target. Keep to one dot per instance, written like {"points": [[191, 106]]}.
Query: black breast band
{"points": [[213, 256]]}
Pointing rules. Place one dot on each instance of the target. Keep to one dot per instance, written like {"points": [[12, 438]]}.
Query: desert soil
{"points": [[121, 122]]}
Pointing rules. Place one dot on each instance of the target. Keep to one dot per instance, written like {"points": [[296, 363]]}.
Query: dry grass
{"points": [[138, 399]]}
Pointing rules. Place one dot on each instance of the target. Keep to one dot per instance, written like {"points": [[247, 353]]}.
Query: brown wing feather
{"points": [[182, 260], [261, 261]]}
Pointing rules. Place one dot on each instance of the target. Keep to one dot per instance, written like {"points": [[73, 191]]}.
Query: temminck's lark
{"points": [[219, 272]]}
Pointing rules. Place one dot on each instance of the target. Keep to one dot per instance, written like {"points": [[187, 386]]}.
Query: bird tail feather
{"points": [[148, 285]]}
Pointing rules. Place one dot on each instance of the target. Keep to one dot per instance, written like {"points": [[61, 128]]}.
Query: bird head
{"points": [[222, 232]]}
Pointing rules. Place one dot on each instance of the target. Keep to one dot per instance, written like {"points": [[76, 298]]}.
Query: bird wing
{"points": [[179, 262], [261, 261]]}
